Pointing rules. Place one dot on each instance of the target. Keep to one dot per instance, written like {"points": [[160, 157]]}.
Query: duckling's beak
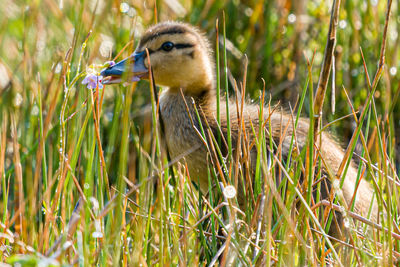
{"points": [[133, 67]]}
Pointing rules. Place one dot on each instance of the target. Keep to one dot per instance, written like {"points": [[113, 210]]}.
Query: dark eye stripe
{"points": [[177, 46], [181, 46]]}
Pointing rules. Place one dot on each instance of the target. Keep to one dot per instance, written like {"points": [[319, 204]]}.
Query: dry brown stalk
{"points": [[326, 67]]}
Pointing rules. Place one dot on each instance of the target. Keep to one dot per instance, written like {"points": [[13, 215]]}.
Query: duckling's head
{"points": [[180, 57]]}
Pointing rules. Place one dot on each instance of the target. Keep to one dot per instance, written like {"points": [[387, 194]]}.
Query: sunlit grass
{"points": [[84, 178]]}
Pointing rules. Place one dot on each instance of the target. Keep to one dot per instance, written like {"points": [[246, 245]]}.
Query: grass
{"points": [[84, 179]]}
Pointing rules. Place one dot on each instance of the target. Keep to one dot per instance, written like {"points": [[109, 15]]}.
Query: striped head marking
{"points": [[180, 57]]}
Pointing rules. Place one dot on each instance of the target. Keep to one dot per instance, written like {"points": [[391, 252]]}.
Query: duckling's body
{"points": [[181, 60], [184, 143]]}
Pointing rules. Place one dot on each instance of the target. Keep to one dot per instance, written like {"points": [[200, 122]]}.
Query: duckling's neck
{"points": [[203, 95]]}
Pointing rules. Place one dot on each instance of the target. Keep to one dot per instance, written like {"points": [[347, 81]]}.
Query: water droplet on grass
{"points": [[124, 7], [229, 192], [393, 71], [292, 18], [342, 24], [97, 234]]}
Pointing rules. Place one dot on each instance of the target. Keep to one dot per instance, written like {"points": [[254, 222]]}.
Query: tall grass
{"points": [[84, 179]]}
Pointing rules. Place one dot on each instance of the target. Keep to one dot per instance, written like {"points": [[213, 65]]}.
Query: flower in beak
{"points": [[93, 81]]}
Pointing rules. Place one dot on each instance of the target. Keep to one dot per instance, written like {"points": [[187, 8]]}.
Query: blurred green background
{"points": [[40, 44]]}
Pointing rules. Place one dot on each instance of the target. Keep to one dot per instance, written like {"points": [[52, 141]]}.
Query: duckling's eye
{"points": [[167, 46]]}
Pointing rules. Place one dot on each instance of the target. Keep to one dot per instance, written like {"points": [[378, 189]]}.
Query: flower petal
{"points": [[85, 80], [93, 81]]}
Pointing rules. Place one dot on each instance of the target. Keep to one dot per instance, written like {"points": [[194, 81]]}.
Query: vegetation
{"points": [[84, 179]]}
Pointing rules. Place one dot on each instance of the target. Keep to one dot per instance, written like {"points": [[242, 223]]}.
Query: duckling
{"points": [[181, 60]]}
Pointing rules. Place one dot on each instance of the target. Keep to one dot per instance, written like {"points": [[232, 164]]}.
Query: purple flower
{"points": [[93, 81]]}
